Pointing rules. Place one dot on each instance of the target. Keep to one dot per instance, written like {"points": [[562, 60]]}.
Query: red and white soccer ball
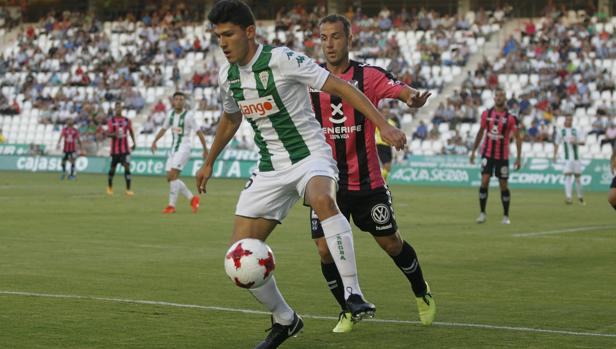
{"points": [[249, 263]]}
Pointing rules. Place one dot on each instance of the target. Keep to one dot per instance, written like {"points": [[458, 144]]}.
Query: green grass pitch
{"points": [[547, 280]]}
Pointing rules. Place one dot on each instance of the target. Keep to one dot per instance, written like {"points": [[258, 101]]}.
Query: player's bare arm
{"points": [[132, 136], [203, 143], [227, 128], [338, 87], [613, 161], [478, 139], [159, 135], [518, 148], [413, 98]]}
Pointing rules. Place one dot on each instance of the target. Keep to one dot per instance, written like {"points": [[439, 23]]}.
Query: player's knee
{"points": [[323, 204], [612, 198], [392, 244]]}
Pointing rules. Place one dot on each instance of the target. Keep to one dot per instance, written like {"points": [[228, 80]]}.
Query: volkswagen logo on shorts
{"points": [[380, 214]]}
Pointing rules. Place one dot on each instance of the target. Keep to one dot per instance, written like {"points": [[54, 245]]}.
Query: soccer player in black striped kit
{"points": [[362, 192]]}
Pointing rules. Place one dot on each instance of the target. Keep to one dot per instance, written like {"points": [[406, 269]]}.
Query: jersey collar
{"points": [[253, 59]]}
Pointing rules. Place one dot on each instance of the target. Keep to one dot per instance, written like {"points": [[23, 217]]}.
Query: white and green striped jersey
{"points": [[182, 125], [271, 92], [569, 138]]}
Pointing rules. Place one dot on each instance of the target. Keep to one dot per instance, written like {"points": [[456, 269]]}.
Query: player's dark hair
{"points": [[178, 93], [232, 11], [335, 18]]}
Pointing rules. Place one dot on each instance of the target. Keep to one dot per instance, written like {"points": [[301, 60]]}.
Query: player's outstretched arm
{"points": [[413, 98], [228, 126], [338, 87]]}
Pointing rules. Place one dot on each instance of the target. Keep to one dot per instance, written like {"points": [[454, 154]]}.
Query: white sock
{"points": [[270, 296], [184, 189], [339, 237], [568, 186], [578, 187], [173, 192]]}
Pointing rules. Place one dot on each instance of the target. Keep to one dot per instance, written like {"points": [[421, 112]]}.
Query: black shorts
{"points": [[69, 155], [385, 153], [613, 183], [371, 211], [496, 168], [119, 159]]}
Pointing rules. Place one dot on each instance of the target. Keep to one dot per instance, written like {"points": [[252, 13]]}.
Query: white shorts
{"points": [[572, 166], [177, 160], [271, 194]]}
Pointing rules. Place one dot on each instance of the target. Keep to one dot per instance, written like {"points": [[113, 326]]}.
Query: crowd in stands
{"points": [[560, 65], [72, 65]]}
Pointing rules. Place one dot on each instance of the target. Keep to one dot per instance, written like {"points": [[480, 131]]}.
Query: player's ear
{"points": [[251, 32]]}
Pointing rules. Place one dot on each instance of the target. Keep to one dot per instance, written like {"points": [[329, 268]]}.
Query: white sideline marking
{"points": [[570, 230], [318, 317]]}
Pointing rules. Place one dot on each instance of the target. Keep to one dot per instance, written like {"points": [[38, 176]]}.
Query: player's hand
{"points": [[393, 136], [134, 146], [472, 158], [153, 147], [203, 175], [418, 100], [518, 164]]}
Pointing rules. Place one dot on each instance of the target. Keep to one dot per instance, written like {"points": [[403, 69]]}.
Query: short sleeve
{"points": [[484, 117], [300, 68], [385, 85], [229, 104], [558, 138], [167, 123]]}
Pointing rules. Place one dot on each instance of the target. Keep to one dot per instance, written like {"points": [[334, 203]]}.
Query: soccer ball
{"points": [[249, 263]]}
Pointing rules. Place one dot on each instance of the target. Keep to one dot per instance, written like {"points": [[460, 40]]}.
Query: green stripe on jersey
{"points": [[288, 134], [181, 135], [565, 143], [575, 146], [265, 162]]}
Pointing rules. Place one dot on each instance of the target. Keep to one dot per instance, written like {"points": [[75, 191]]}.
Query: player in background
{"points": [[611, 197], [498, 126], [71, 138], [362, 192], [183, 124], [570, 138], [269, 87], [118, 129], [385, 152]]}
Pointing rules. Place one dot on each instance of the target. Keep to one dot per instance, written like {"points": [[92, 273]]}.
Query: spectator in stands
{"points": [[2, 139], [421, 132], [597, 127], [610, 135], [148, 126], [533, 134]]}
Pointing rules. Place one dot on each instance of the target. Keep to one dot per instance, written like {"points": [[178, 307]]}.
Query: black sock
{"points": [[334, 282], [72, 169], [110, 179], [483, 198], [409, 265], [506, 199], [63, 167], [127, 178]]}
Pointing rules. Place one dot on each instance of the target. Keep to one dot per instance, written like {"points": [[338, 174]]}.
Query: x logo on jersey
{"points": [[337, 110]]}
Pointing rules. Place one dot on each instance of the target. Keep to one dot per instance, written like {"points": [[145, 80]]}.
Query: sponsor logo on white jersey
{"points": [[259, 107]]}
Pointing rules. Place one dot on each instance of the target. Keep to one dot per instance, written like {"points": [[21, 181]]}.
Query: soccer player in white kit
{"points": [[182, 124], [570, 138], [269, 87]]}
